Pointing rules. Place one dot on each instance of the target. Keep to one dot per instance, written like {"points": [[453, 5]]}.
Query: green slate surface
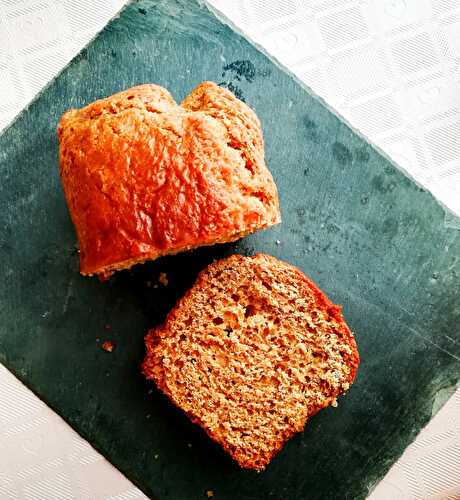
{"points": [[372, 239]]}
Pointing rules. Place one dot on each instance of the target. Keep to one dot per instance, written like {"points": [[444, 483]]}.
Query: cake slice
{"points": [[145, 177], [250, 353]]}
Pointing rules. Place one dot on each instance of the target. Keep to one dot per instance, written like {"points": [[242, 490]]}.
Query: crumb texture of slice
{"points": [[250, 353], [145, 177]]}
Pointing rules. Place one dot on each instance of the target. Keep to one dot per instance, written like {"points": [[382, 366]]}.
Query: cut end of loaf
{"points": [[250, 353], [105, 272]]}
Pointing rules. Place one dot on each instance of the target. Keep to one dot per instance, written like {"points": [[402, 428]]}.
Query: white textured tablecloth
{"points": [[390, 67]]}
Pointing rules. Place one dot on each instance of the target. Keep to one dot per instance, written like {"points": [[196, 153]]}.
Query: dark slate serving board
{"points": [[370, 237]]}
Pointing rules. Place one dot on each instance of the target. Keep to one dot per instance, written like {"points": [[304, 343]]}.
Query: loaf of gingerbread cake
{"points": [[145, 177]]}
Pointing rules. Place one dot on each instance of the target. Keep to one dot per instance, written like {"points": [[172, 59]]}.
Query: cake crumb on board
{"points": [[108, 346], [163, 279], [210, 493]]}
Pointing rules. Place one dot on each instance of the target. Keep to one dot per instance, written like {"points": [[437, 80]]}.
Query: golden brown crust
{"points": [[250, 353], [144, 177]]}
